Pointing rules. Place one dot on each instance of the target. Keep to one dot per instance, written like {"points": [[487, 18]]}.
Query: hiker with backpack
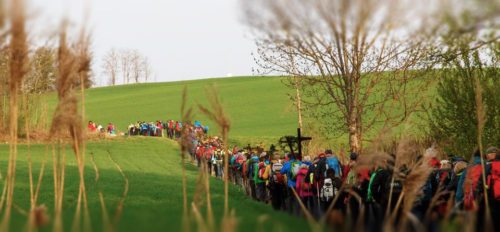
{"points": [[315, 179], [178, 129], [290, 169], [170, 129], [251, 165], [333, 162], [468, 190], [209, 152], [277, 185], [492, 172], [260, 178], [303, 188], [443, 178], [376, 200]]}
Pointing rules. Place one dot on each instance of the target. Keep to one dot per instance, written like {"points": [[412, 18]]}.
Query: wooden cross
{"points": [[300, 139]]}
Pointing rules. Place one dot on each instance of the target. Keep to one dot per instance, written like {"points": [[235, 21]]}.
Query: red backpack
{"points": [[470, 185], [494, 180]]}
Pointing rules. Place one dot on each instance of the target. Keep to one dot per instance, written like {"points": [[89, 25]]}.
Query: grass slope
{"points": [[154, 201], [257, 106]]}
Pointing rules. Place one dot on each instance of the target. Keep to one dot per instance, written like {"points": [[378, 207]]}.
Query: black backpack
{"points": [[320, 169], [250, 169]]}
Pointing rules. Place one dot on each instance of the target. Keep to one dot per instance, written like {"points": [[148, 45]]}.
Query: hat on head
{"points": [[354, 156], [492, 150], [321, 155], [263, 155]]}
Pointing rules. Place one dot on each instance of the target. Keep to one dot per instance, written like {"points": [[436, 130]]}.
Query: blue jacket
{"points": [[333, 163], [287, 170], [459, 195]]}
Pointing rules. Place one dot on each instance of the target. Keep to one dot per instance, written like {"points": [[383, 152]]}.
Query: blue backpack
{"points": [[333, 163]]}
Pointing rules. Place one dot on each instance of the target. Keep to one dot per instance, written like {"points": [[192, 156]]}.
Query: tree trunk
{"points": [[354, 138], [298, 99]]}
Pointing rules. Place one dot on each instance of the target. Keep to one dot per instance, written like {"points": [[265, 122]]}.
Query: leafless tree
{"points": [[358, 63], [111, 65], [136, 65], [125, 64], [146, 69]]}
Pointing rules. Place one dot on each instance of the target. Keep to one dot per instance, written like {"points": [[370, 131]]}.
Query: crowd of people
{"points": [[172, 129], [325, 183]]}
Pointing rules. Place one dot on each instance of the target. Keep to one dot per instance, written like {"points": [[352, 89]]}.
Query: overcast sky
{"points": [[183, 39]]}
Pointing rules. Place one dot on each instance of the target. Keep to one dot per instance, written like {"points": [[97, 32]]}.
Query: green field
{"points": [[259, 108], [260, 111], [154, 200]]}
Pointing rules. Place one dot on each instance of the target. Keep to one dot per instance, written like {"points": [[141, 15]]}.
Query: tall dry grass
{"points": [[202, 196], [73, 63], [83, 61], [18, 52], [186, 146], [218, 115], [481, 121], [37, 215]]}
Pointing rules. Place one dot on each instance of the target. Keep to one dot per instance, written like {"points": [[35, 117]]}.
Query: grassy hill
{"points": [[257, 106], [154, 200], [259, 109]]}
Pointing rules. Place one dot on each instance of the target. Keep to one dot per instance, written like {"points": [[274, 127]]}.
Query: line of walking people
{"points": [[448, 189]]}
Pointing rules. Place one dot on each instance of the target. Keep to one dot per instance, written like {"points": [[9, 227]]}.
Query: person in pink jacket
{"points": [[303, 188]]}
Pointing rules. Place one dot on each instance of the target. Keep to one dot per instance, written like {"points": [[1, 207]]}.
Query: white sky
{"points": [[183, 39]]}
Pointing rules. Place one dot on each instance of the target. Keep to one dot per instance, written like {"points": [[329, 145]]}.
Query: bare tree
{"points": [[359, 63], [131, 63], [135, 65], [111, 65], [146, 69], [125, 64]]}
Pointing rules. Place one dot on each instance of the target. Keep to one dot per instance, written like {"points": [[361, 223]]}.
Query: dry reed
{"points": [[218, 115], [481, 121], [83, 60], [18, 60], [67, 120], [186, 146], [36, 217]]}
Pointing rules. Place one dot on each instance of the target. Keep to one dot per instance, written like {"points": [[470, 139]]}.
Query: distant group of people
{"points": [[324, 183], [172, 129], [98, 128], [146, 128]]}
